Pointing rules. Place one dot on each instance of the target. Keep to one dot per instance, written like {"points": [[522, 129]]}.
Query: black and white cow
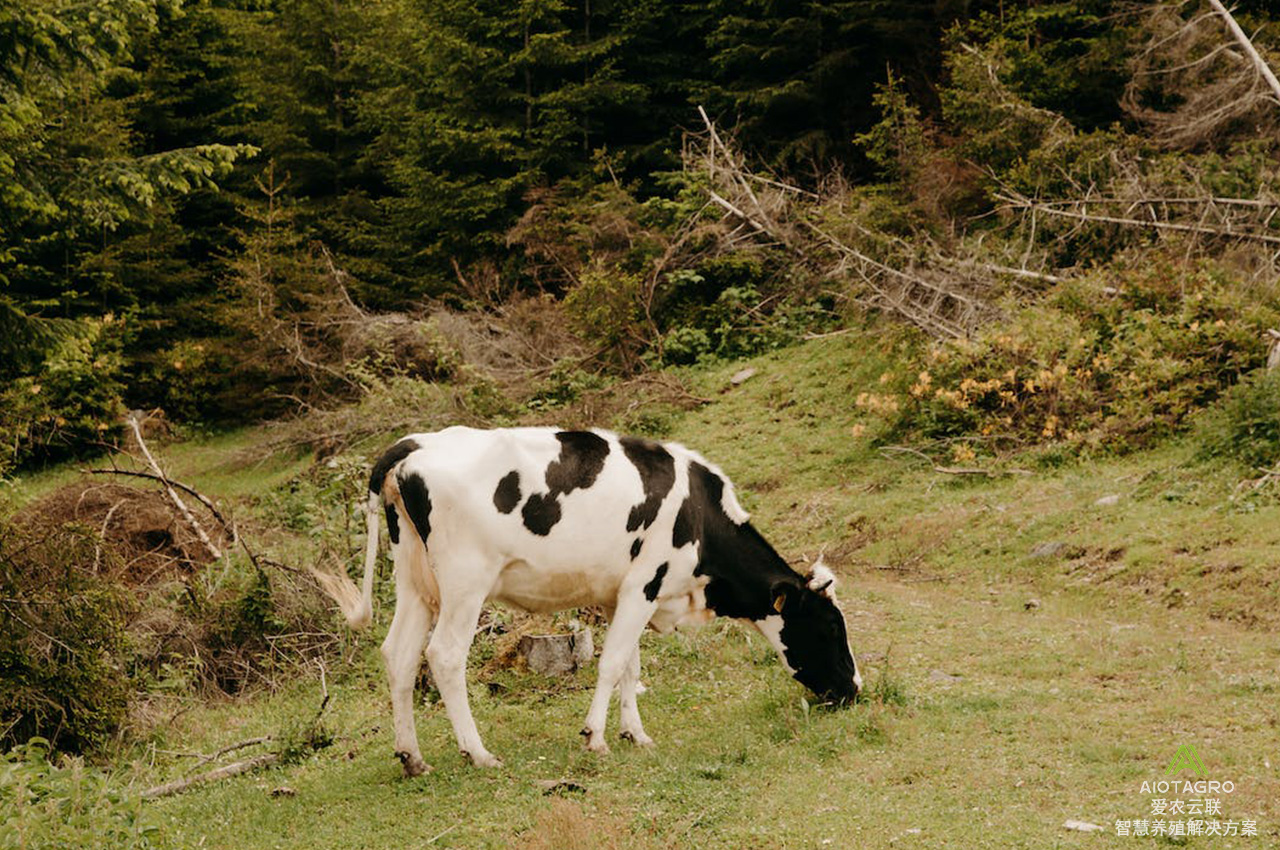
{"points": [[546, 520]]}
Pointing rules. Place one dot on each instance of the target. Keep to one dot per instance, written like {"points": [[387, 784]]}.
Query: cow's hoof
{"points": [[413, 765], [484, 759], [640, 739], [595, 742]]}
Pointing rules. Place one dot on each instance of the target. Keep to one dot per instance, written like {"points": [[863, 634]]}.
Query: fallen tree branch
{"points": [[1020, 203], [227, 526], [186, 488], [234, 769], [929, 297], [230, 748]]}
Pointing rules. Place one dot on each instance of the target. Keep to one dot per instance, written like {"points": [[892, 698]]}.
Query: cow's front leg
{"points": [[628, 711], [620, 643], [402, 653], [447, 655]]}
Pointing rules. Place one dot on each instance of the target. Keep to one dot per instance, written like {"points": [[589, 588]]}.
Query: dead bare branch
{"points": [[1077, 209], [214, 551], [228, 770]]}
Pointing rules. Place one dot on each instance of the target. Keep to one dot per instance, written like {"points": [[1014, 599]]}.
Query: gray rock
{"points": [[1083, 826], [1049, 549]]}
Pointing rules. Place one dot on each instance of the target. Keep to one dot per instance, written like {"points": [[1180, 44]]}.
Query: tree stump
{"points": [[557, 655]]}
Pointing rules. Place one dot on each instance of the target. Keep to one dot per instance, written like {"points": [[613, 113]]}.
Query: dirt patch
{"points": [[144, 538]]}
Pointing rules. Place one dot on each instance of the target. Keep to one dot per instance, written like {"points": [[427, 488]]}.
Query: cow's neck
{"points": [[743, 569]]}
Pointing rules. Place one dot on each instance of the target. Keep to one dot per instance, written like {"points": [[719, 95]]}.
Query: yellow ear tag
{"points": [[779, 601]]}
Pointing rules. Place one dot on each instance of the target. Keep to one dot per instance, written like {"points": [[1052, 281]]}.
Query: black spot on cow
{"points": [[702, 504], [390, 458], [541, 513], [657, 470], [581, 458], [739, 562], [655, 584], [635, 547], [507, 496], [417, 503], [393, 522]]}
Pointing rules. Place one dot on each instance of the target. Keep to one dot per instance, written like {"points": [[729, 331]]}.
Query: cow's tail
{"points": [[356, 603]]}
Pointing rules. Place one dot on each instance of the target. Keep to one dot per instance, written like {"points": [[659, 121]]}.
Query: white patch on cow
{"points": [[822, 580], [771, 628], [857, 674], [728, 497]]}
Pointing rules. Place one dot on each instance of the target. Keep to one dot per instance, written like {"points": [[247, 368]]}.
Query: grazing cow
{"points": [[546, 520]]}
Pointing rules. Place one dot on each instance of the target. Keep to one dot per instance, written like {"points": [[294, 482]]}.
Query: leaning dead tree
{"points": [[1222, 89], [1218, 79], [937, 297]]}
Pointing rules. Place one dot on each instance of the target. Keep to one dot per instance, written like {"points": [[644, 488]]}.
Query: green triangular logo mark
{"points": [[1186, 758]]}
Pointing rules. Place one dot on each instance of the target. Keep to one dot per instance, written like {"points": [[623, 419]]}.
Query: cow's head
{"points": [[811, 637]]}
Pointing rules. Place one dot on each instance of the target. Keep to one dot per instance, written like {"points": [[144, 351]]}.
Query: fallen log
{"points": [[234, 769]]}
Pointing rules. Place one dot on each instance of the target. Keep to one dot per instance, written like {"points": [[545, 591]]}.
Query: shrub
{"points": [[1114, 360], [1245, 427], [62, 635], [70, 403], [605, 308]]}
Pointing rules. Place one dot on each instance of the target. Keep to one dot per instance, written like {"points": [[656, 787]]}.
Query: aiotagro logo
{"points": [[1184, 806], [1186, 758]]}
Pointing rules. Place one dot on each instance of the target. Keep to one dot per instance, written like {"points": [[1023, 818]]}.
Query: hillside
{"points": [[1009, 691]]}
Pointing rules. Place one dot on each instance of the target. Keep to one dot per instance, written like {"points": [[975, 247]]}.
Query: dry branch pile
{"points": [[143, 536], [945, 299]]}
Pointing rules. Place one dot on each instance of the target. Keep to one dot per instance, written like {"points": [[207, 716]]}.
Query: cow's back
{"points": [[550, 513]]}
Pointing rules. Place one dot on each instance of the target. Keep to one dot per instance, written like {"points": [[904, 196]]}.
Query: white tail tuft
{"points": [[356, 603]]}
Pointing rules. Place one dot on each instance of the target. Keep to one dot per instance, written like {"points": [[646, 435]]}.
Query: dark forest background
{"points": [[192, 191]]}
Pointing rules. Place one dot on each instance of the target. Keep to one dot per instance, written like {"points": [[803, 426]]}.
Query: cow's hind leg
{"points": [[621, 642], [447, 655], [628, 712], [402, 652]]}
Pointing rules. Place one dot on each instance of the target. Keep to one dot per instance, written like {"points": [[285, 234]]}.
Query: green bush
{"points": [[730, 307], [62, 637], [1112, 361], [564, 385], [605, 307], [1245, 426], [67, 805]]}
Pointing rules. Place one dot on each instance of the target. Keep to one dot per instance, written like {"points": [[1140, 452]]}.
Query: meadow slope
{"points": [[1011, 688]]}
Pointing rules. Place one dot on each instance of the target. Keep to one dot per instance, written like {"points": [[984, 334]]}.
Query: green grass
{"points": [[990, 720]]}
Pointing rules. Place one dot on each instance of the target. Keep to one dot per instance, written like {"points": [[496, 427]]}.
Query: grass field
{"points": [[1008, 692]]}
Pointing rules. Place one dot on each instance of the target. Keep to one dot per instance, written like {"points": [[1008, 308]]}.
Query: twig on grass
{"points": [[230, 748], [951, 470], [236, 768]]}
